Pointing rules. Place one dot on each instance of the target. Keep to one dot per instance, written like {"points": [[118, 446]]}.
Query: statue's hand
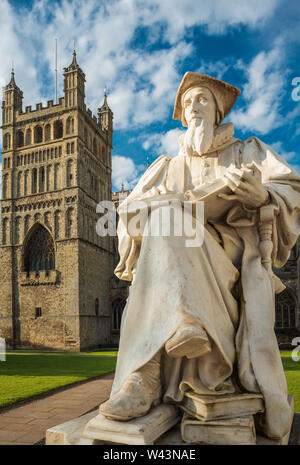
{"points": [[246, 186]]}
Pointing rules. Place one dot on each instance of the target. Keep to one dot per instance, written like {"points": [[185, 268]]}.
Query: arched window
{"points": [[69, 173], [58, 129], [20, 138], [69, 222], [56, 176], [34, 181], [38, 134], [4, 186], [41, 179], [6, 141], [285, 310], [19, 182], [4, 230], [97, 307], [68, 125], [118, 307], [26, 224], [56, 224], [39, 250], [17, 229], [47, 132], [28, 137]]}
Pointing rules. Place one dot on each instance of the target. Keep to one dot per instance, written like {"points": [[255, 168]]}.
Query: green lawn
{"points": [[22, 377], [292, 373], [27, 352]]}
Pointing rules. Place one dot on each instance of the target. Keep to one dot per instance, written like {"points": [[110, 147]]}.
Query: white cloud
{"points": [[125, 172], [262, 92], [163, 143], [142, 83], [278, 147]]}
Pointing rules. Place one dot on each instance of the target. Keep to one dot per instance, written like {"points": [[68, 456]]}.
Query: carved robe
{"points": [[222, 284]]}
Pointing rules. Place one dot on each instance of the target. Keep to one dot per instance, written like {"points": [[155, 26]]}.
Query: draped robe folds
{"points": [[173, 284]]}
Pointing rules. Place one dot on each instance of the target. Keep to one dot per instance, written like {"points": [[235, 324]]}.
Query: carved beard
{"points": [[198, 137]]}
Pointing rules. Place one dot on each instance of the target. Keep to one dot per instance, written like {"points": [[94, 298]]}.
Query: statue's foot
{"points": [[139, 393], [190, 342]]}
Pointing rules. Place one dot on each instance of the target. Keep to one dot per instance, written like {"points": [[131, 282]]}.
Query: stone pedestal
{"points": [[139, 431], [162, 427]]}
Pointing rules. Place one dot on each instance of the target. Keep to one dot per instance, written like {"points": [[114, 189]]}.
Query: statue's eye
{"points": [[202, 99], [187, 103]]}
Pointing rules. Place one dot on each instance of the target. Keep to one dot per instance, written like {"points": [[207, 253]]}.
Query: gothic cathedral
{"points": [[55, 271]]}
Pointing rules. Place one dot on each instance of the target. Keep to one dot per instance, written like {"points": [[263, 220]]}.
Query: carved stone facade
{"points": [[287, 303], [55, 271]]}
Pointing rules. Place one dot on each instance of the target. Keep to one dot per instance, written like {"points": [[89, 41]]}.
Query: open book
{"points": [[214, 207]]}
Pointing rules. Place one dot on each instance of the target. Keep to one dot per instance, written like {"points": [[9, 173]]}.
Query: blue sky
{"points": [[140, 49]]}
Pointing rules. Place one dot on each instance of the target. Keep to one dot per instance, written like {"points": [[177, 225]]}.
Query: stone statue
{"points": [[201, 318]]}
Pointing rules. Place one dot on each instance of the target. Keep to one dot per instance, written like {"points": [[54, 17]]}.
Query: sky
{"points": [[140, 50]]}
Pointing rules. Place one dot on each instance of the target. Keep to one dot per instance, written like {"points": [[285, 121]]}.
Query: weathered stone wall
{"points": [[96, 269]]}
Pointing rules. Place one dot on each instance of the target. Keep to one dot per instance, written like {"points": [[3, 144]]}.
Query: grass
{"points": [[28, 352], [292, 373], [22, 377]]}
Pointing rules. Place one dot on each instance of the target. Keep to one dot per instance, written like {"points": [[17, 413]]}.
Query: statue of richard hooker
{"points": [[202, 318]]}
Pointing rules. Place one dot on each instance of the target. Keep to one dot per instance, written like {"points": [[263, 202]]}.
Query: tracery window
{"points": [[58, 129], [20, 139], [47, 132], [38, 134], [28, 137], [285, 310], [118, 307], [39, 251]]}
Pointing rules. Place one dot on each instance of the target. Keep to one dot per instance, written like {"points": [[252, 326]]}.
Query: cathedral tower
{"points": [[55, 271]]}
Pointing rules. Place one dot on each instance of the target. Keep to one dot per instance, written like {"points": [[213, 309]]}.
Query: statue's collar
{"points": [[223, 137]]}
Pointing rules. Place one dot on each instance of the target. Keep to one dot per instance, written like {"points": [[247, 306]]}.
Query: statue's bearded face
{"points": [[200, 113]]}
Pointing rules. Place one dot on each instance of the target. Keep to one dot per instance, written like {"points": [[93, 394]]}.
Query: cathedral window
{"points": [[26, 175], [57, 224], [118, 307], [68, 126], [4, 186], [58, 129], [38, 134], [39, 250], [28, 137], [26, 224], [17, 229], [4, 230], [34, 181], [47, 132], [19, 181], [285, 310], [20, 138], [68, 149], [85, 135], [97, 307], [48, 177], [69, 173], [41, 179], [72, 147], [6, 141], [69, 222], [56, 176]]}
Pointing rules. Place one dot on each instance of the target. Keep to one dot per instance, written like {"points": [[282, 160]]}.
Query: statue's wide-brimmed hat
{"points": [[224, 93]]}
